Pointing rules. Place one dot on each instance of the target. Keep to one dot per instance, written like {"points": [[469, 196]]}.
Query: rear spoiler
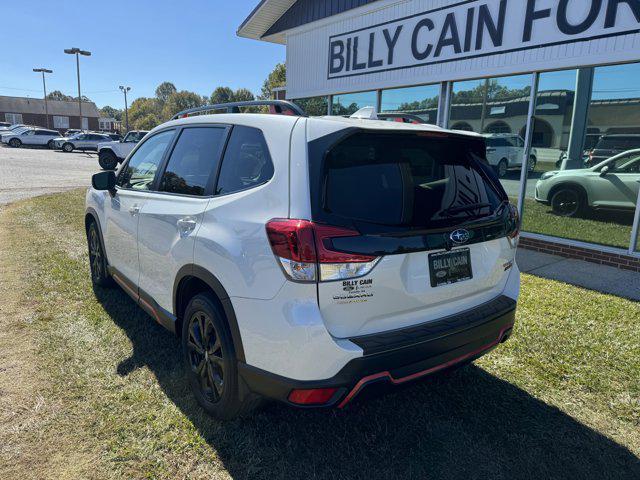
{"points": [[278, 107]]}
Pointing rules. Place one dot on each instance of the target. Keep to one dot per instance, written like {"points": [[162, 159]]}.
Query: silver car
{"points": [[610, 185], [81, 141]]}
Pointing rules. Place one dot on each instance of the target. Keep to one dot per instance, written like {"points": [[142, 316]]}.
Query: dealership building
{"points": [[553, 77]]}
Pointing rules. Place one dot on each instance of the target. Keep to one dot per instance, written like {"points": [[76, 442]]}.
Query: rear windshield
{"points": [[409, 180]]}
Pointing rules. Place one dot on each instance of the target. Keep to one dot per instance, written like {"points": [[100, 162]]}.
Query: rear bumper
{"points": [[401, 355]]}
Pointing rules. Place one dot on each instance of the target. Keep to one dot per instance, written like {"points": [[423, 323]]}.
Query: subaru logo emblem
{"points": [[460, 236]]}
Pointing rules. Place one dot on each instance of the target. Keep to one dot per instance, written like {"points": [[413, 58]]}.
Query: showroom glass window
{"points": [[498, 109], [349, 103], [419, 103], [606, 200], [313, 106]]}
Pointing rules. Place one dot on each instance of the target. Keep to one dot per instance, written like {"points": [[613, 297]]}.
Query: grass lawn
{"points": [[605, 228], [91, 387]]}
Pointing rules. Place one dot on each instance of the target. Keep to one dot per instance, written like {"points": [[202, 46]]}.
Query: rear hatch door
{"points": [[430, 209]]}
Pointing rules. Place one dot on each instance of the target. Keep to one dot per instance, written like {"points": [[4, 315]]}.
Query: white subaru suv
{"points": [[305, 258]]}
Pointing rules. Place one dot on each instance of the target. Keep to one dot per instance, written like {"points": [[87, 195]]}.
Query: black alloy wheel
{"points": [[206, 358], [97, 260], [210, 360], [566, 202]]}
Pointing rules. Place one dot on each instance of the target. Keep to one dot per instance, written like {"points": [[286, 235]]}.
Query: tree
{"points": [[243, 95], [146, 122], [164, 91], [110, 112], [179, 101], [277, 78], [143, 107], [221, 95], [58, 95], [313, 105]]}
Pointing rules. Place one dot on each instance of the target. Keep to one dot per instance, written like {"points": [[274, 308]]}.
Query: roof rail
{"points": [[280, 106]]}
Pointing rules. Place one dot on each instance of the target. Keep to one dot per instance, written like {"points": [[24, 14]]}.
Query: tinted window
{"points": [[497, 142], [408, 180], [141, 168], [193, 161], [246, 162]]}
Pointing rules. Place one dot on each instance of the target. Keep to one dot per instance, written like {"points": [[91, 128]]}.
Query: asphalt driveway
{"points": [[29, 172]]}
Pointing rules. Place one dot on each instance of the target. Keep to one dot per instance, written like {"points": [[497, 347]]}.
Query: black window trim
{"points": [[212, 184]]}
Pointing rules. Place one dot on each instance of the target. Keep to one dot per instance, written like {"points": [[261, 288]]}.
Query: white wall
{"points": [[308, 47]]}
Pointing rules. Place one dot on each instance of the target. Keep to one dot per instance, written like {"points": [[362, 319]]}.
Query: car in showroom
{"points": [[110, 154], [610, 185], [505, 152], [80, 141], [609, 145], [31, 137], [303, 259]]}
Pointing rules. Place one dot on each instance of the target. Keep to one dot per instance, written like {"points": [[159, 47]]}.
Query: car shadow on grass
{"points": [[462, 424]]}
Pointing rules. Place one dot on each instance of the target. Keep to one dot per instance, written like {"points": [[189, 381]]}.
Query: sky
{"points": [[139, 43], [192, 43]]}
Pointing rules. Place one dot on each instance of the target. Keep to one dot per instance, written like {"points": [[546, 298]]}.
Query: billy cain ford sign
{"points": [[471, 29]]}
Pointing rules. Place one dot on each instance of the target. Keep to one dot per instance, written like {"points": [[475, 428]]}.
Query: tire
{"points": [[568, 202], [15, 142], [210, 360], [97, 261], [531, 167], [502, 168], [107, 160], [67, 147], [50, 145]]}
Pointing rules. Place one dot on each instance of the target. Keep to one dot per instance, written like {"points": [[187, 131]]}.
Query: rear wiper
{"points": [[466, 208]]}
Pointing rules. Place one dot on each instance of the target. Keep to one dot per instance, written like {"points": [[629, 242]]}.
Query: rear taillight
{"points": [[305, 251]]}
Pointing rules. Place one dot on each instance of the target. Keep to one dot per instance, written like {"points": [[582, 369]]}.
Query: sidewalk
{"points": [[602, 278]]}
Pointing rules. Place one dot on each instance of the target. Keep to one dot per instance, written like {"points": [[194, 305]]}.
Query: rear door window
{"points": [[246, 162], [408, 180], [194, 160]]}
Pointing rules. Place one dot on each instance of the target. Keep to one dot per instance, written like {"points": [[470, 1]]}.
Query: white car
{"points": [[610, 185], [505, 152], [302, 259], [80, 141], [114, 152], [32, 136], [15, 129]]}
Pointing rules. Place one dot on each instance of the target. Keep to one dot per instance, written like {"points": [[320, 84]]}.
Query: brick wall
{"points": [[40, 120], [611, 259]]}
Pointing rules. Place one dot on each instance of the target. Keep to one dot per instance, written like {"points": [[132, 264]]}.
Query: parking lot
{"points": [[29, 172]]}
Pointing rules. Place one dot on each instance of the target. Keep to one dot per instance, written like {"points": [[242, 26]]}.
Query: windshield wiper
{"points": [[466, 208]]}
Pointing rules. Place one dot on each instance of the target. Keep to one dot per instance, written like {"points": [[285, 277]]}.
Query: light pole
{"points": [[126, 108], [44, 86], [76, 51]]}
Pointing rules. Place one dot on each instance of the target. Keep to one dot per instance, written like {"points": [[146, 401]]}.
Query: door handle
{"points": [[134, 210], [186, 225]]}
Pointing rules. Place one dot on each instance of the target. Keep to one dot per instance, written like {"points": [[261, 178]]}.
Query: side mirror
{"points": [[604, 170], [104, 181]]}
